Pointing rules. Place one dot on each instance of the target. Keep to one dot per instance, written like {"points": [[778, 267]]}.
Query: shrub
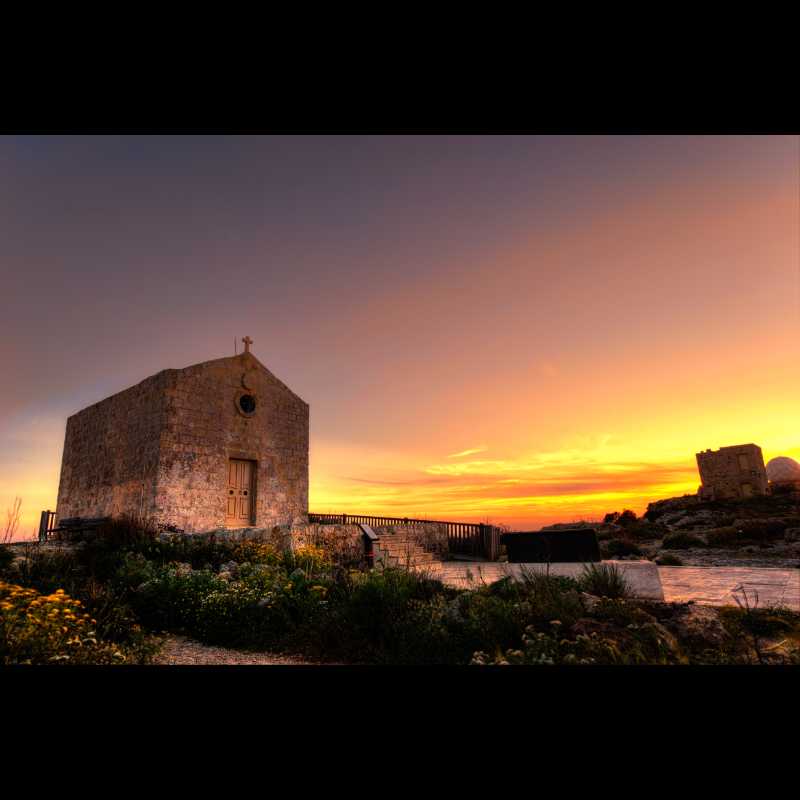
{"points": [[620, 612], [644, 530], [550, 598], [722, 537], [254, 552], [262, 607], [761, 530], [170, 600], [6, 558], [103, 549], [747, 532], [669, 560], [201, 552], [120, 533], [681, 540], [620, 547], [479, 620], [311, 559], [54, 628], [604, 580], [47, 570], [642, 644], [751, 628]]}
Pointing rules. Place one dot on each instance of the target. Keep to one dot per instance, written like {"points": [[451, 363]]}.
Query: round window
{"points": [[247, 403]]}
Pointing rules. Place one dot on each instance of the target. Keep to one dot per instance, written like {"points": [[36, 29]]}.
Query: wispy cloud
{"points": [[525, 489], [481, 449]]}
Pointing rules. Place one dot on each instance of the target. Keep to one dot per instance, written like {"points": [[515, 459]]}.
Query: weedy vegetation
{"points": [[108, 599]]}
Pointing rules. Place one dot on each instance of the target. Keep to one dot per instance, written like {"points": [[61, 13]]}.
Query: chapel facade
{"points": [[219, 444]]}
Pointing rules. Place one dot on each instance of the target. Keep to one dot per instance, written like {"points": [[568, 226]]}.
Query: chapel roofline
{"points": [[242, 358]]}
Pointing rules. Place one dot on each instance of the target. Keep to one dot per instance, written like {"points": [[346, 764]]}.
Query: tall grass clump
{"points": [[604, 580], [548, 597], [12, 521]]}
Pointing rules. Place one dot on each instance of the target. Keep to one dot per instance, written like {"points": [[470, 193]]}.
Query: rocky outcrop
{"points": [[697, 625]]}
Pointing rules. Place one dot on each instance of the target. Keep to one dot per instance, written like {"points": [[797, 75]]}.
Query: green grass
{"points": [[135, 585]]}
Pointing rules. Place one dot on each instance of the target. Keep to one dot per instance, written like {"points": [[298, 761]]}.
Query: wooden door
{"points": [[240, 493]]}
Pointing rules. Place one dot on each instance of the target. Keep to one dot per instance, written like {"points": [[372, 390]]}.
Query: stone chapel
{"points": [[219, 444]]}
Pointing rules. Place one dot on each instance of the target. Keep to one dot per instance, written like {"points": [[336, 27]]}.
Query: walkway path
{"points": [[180, 650], [713, 585]]}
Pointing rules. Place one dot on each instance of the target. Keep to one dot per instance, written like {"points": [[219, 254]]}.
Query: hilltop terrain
{"points": [[759, 531]]}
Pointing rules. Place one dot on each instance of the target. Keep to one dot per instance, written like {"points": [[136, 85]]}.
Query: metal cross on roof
{"points": [[247, 342]]}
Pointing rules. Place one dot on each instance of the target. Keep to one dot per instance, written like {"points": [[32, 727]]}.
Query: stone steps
{"points": [[403, 550]]}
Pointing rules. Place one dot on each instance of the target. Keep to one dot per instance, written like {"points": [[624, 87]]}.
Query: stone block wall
{"points": [[732, 472], [111, 454], [430, 536], [160, 450], [204, 429], [344, 542]]}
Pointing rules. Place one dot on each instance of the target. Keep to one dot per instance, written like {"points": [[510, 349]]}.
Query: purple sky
{"points": [[376, 275]]}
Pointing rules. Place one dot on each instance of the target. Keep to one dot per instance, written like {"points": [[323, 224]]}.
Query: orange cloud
{"points": [[468, 452]]}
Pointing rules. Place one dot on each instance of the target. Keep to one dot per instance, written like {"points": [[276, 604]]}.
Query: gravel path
{"points": [[180, 650]]}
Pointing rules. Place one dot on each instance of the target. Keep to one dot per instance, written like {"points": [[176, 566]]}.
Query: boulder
{"points": [[699, 626]]}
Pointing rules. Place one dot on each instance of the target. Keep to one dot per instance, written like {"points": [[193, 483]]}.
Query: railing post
{"points": [[43, 520]]}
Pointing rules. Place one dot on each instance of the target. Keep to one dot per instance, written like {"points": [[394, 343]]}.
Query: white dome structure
{"points": [[783, 470]]}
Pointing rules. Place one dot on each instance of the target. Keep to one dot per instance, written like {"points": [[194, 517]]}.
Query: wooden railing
{"points": [[463, 538], [47, 522]]}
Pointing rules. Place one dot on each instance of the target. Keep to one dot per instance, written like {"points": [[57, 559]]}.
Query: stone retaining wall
{"points": [[346, 542]]}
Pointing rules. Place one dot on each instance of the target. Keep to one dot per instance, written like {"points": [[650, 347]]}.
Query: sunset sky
{"points": [[518, 329]]}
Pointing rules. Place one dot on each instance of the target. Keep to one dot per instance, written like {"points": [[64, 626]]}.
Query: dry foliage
{"points": [[12, 520]]}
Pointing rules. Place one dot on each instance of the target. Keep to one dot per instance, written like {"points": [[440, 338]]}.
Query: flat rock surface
{"points": [[180, 650], [714, 585], [779, 555]]}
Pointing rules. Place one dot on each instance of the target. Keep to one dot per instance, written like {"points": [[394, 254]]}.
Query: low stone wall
{"points": [[429, 535], [344, 542]]}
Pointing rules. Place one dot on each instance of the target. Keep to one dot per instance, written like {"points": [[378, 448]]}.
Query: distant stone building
{"points": [[732, 472], [218, 444]]}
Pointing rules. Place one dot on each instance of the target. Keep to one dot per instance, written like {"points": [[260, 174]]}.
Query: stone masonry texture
{"points": [[732, 472], [160, 450]]}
